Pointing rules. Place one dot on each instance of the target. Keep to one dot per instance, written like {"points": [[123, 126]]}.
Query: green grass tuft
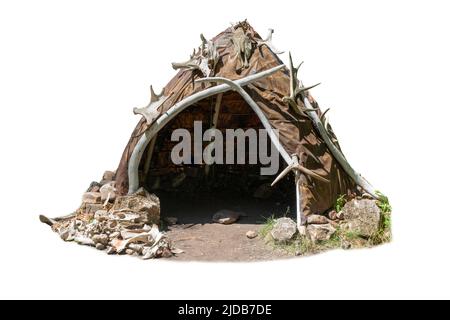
{"points": [[340, 203], [267, 226], [384, 234]]}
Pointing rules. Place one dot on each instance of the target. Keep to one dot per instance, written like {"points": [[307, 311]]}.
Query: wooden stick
{"points": [[214, 123], [148, 161]]}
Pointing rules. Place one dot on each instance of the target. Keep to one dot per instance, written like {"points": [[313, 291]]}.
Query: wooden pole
{"points": [[214, 122], [148, 160]]}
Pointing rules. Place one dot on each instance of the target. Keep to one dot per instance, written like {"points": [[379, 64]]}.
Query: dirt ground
{"points": [[203, 240]]}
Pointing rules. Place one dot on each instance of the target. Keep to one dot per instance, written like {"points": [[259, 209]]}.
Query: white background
{"points": [[72, 71]]}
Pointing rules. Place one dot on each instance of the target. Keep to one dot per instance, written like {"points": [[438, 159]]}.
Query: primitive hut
{"points": [[236, 80]]}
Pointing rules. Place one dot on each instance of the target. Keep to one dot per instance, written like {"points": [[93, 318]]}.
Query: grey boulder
{"points": [[361, 217], [320, 232], [284, 229]]}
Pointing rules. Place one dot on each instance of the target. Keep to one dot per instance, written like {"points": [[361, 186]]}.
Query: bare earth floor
{"points": [[216, 242], [203, 240]]}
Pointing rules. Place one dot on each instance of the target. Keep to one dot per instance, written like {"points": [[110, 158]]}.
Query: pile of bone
{"points": [[117, 225]]}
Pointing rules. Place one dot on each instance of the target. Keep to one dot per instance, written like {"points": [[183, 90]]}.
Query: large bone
{"points": [[299, 91], [136, 156], [52, 221], [150, 112], [357, 178]]}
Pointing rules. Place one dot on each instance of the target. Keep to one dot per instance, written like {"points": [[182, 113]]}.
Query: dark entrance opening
{"points": [[194, 192]]}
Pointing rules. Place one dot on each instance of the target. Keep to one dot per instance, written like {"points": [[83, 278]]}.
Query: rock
{"points": [[114, 235], [340, 215], [137, 248], [346, 245], [226, 216], [129, 251], [320, 232], [83, 240], [66, 234], [165, 252], [109, 176], [171, 220], [251, 234], [284, 229], [143, 193], [108, 191], [100, 238], [264, 191], [316, 219], [101, 215], [302, 230], [111, 250], [112, 225], [143, 204], [91, 208], [117, 244], [268, 238], [100, 246], [361, 217], [332, 215], [92, 197], [94, 187], [176, 251]]}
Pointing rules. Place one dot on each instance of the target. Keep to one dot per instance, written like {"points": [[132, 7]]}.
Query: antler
{"points": [[295, 165], [150, 112], [205, 59], [297, 90], [268, 42]]}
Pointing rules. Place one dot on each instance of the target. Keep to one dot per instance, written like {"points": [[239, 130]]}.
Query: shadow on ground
{"points": [[203, 240]]}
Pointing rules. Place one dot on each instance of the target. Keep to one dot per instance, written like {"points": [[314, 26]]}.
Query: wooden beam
{"points": [[148, 160], [214, 122]]}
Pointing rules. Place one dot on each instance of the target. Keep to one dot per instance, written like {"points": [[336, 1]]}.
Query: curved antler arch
{"points": [[163, 120]]}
